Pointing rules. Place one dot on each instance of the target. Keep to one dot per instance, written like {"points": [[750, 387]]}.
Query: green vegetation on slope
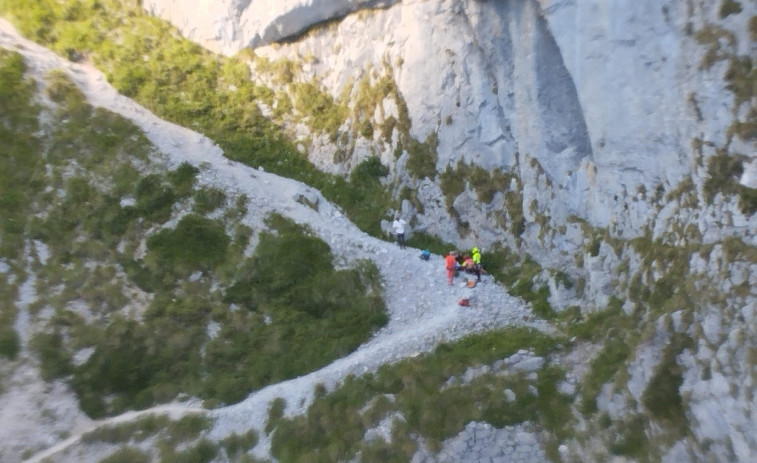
{"points": [[143, 311], [148, 61], [418, 390], [19, 180]]}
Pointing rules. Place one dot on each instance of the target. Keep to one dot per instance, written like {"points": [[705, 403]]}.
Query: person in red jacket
{"points": [[450, 262]]}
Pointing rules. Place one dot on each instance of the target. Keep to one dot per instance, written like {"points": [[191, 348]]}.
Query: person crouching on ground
{"points": [[450, 263], [399, 229]]}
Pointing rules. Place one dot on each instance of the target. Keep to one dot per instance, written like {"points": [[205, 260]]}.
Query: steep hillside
{"points": [[145, 268], [603, 153]]}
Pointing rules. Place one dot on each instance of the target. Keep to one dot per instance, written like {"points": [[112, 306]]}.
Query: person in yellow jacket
{"points": [[476, 257]]}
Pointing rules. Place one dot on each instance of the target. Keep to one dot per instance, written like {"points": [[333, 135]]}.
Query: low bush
{"points": [[662, 397], [237, 445], [421, 161], [10, 344], [602, 369], [127, 455], [208, 200], [196, 243], [203, 451], [54, 358]]}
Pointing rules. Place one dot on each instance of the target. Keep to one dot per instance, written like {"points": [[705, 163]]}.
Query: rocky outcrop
{"points": [[227, 26]]}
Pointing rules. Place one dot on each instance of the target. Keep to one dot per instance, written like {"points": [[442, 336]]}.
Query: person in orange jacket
{"points": [[450, 263]]}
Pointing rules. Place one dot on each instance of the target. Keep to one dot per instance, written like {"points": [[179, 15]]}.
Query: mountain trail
{"points": [[422, 308]]}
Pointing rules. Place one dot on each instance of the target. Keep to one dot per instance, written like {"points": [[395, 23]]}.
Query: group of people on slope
{"points": [[454, 262], [469, 263]]}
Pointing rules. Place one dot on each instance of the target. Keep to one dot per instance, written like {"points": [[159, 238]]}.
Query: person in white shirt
{"points": [[399, 230]]}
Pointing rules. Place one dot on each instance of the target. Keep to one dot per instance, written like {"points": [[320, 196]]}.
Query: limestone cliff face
{"points": [[613, 141]]}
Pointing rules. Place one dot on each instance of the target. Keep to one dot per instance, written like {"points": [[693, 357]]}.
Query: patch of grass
{"points": [[724, 172], [514, 204], [319, 109], [720, 45], [208, 200], [435, 245], [203, 451], [54, 358], [669, 291], [602, 369], [662, 397], [741, 77], [729, 7], [275, 413], [408, 194], [453, 183], [518, 274], [139, 430], [631, 440], [421, 161], [596, 325], [10, 345], [237, 445], [188, 428], [487, 184], [21, 158]]}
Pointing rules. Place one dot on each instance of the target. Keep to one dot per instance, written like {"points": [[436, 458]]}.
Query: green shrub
{"points": [[195, 243], [55, 360], [140, 364], [514, 203], [275, 413], [602, 369], [729, 7], [662, 397], [370, 170], [236, 445], [631, 441], [187, 428], [596, 326], [21, 160], [202, 452], [208, 200], [452, 184], [139, 430], [183, 179], [127, 455], [421, 161], [155, 198], [488, 184], [10, 344]]}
